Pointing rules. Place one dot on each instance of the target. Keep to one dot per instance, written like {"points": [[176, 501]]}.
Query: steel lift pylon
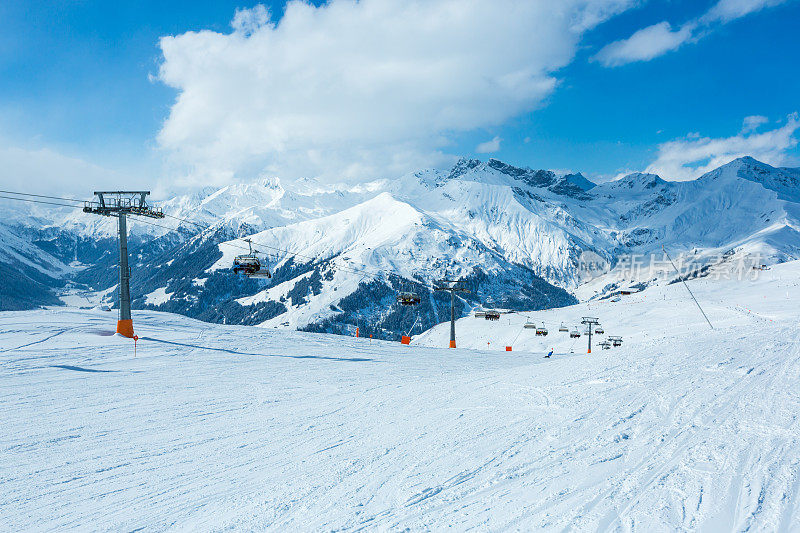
{"points": [[120, 204]]}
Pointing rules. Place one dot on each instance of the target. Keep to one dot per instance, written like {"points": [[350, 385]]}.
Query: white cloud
{"points": [[45, 171], [644, 45], [692, 156], [728, 10], [753, 122], [246, 21], [360, 89], [489, 147], [658, 39]]}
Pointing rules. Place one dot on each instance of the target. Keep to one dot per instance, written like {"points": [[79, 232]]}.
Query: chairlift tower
{"points": [[453, 287], [590, 323], [120, 204]]}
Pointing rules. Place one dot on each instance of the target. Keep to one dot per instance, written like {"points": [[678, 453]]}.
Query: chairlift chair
{"points": [[246, 263], [563, 328], [575, 334], [599, 330], [408, 298], [261, 273], [250, 264], [542, 331], [615, 341], [530, 325]]}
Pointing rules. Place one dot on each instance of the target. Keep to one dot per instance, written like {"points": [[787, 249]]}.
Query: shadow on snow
{"points": [[234, 352], [81, 369]]}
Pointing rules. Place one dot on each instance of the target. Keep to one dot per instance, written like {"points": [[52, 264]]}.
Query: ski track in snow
{"points": [[228, 427]]}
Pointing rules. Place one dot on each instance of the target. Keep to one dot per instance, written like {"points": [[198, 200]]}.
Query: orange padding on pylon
{"points": [[405, 340], [452, 344], [508, 348], [125, 328]]}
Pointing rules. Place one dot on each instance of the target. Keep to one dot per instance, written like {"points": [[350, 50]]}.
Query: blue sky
{"points": [[80, 79], [610, 119]]}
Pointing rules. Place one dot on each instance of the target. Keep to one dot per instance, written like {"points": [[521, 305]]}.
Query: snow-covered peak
{"points": [[495, 172], [578, 180], [379, 221], [638, 181], [785, 182], [534, 178], [463, 166]]}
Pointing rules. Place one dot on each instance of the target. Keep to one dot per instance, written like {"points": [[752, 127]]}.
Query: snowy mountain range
{"points": [[520, 237]]}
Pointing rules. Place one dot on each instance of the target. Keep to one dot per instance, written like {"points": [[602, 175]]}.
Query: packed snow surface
{"points": [[228, 427]]}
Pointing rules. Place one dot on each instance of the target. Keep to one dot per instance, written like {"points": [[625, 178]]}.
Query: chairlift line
{"points": [[253, 266], [247, 262]]}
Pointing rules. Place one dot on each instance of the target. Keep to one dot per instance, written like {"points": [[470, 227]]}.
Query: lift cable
{"points": [[263, 245], [687, 287], [554, 325], [45, 196], [518, 334], [38, 201], [364, 273], [355, 269]]}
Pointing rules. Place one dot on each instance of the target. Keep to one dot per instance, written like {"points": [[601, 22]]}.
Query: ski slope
{"points": [[216, 427], [661, 314]]}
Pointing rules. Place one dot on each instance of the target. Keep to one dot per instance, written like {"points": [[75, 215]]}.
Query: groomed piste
{"points": [[214, 427]]}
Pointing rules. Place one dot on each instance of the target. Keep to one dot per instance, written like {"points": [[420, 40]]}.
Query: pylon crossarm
{"points": [[112, 203]]}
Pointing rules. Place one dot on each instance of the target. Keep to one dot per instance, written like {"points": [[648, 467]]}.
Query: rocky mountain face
{"points": [[339, 254]]}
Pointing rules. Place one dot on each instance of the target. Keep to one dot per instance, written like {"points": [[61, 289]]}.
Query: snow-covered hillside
{"points": [[228, 427], [509, 223], [520, 237]]}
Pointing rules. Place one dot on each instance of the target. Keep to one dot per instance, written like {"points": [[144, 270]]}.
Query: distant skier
{"points": [[548, 354]]}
